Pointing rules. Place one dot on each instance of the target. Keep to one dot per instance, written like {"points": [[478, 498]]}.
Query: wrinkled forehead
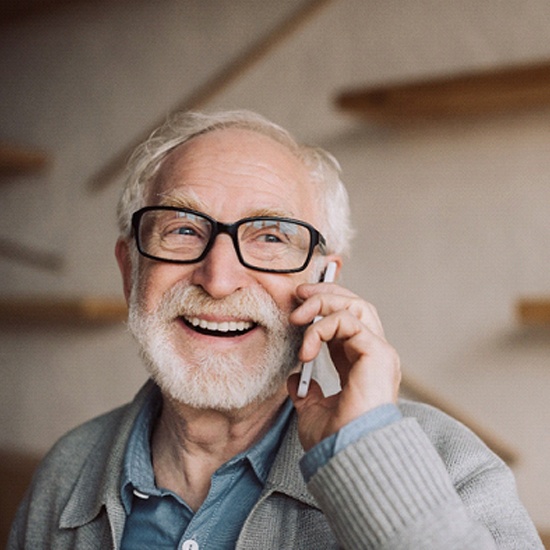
{"points": [[245, 168]]}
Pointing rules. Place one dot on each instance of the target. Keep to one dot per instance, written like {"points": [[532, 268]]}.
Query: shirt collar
{"points": [[137, 471]]}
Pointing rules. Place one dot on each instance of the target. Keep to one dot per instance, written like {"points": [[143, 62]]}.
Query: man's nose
{"points": [[221, 273]]}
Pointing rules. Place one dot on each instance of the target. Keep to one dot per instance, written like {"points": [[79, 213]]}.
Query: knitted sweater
{"points": [[425, 482]]}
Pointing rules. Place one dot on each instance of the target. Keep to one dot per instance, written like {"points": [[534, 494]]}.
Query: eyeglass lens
{"points": [[265, 243]]}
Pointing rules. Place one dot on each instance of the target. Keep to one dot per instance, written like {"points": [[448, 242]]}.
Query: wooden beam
{"points": [[213, 86], [486, 92], [51, 310], [16, 160], [533, 311], [416, 391]]}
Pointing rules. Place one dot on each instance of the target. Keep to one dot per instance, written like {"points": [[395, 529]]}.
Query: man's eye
{"points": [[270, 238], [184, 231]]}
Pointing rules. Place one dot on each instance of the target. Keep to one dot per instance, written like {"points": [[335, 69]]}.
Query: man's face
{"points": [[182, 314]]}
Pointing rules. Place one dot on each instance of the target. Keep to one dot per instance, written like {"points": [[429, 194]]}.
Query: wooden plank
{"points": [[51, 310], [214, 86], [16, 160], [534, 311], [417, 391], [477, 93]]}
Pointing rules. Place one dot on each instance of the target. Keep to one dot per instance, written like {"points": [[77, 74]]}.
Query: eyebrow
{"points": [[270, 213], [192, 203], [182, 201]]}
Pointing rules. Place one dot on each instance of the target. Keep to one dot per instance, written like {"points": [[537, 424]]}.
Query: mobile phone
{"points": [[307, 368]]}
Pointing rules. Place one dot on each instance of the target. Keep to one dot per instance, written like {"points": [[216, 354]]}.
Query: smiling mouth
{"points": [[224, 329]]}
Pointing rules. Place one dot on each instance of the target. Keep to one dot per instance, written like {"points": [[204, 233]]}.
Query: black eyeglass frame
{"points": [[230, 229]]}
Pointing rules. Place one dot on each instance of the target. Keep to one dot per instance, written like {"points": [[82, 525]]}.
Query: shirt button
{"points": [[190, 545]]}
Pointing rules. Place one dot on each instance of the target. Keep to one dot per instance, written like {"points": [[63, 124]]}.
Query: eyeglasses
{"points": [[262, 243]]}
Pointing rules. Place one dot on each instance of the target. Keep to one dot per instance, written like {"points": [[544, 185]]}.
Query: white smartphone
{"points": [[307, 368]]}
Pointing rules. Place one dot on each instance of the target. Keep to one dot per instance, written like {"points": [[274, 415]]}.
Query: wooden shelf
{"points": [[534, 311], [50, 311], [477, 93], [17, 160]]}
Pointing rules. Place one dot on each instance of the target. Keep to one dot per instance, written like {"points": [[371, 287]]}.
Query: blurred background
{"points": [[439, 112]]}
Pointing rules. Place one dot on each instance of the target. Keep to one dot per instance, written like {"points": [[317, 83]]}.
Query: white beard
{"points": [[204, 378]]}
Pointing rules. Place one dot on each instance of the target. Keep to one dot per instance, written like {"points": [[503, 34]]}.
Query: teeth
{"points": [[224, 326]]}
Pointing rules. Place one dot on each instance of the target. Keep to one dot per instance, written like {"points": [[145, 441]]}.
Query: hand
{"points": [[368, 366]]}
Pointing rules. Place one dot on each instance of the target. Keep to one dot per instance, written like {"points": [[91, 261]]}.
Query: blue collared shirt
{"points": [[158, 518]]}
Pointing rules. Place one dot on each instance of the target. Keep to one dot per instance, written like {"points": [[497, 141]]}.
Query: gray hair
{"points": [[324, 169]]}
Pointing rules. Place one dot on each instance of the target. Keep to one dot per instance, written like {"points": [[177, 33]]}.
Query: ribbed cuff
{"points": [[393, 477], [371, 421]]}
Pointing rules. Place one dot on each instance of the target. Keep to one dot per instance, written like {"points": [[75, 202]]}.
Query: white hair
{"points": [[324, 169], [204, 377]]}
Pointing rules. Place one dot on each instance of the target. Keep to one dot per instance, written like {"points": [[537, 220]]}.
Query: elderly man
{"points": [[227, 226]]}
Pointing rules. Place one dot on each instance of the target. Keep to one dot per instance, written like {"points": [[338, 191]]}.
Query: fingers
{"points": [[343, 313], [340, 326], [368, 366], [324, 299], [351, 327]]}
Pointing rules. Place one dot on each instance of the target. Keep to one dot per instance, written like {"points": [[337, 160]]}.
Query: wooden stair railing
{"points": [[42, 259], [215, 85]]}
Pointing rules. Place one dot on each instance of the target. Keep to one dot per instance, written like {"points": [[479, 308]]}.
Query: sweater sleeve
{"points": [[373, 420], [393, 490]]}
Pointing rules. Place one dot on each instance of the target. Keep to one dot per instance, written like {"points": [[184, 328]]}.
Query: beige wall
{"points": [[452, 218]]}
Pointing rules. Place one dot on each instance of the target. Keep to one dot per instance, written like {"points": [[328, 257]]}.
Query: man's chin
{"points": [[222, 383], [220, 400]]}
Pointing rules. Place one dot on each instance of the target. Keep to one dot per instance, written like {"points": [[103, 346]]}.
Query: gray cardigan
{"points": [[425, 482]]}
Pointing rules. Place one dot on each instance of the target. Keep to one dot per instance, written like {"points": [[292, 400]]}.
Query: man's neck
{"points": [[190, 444]]}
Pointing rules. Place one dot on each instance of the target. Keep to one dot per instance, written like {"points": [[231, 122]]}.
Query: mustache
{"points": [[249, 304]]}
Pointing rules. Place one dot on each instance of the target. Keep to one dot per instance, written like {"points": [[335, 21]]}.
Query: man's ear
{"points": [[122, 253]]}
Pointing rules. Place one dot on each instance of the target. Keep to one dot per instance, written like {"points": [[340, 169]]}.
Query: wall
{"points": [[451, 217]]}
